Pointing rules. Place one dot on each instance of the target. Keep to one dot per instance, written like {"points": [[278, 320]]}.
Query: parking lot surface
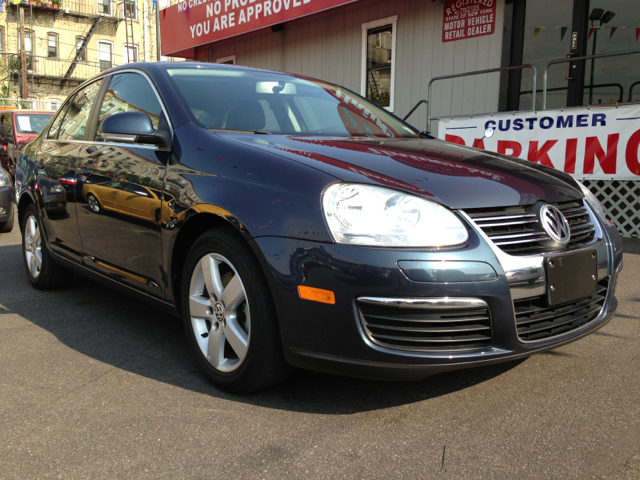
{"points": [[96, 385]]}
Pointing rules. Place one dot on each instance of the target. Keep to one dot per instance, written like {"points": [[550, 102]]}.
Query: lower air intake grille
{"points": [[426, 329], [535, 321]]}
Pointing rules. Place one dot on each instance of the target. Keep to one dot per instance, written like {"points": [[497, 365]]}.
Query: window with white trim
{"points": [[129, 53], [82, 55], [105, 55], [230, 60], [130, 9], [104, 7], [378, 61], [54, 104], [52, 45]]}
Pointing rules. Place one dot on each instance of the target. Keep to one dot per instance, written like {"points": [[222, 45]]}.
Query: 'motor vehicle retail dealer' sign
{"points": [[191, 23], [468, 18], [600, 143]]}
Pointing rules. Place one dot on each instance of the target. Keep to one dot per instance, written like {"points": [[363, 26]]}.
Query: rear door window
{"points": [[75, 122], [55, 126]]}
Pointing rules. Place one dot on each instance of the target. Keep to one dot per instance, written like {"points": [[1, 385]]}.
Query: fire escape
{"points": [[106, 10]]}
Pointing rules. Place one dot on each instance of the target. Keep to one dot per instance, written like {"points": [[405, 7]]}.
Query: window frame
{"points": [[126, 46], [96, 113], [56, 37], [226, 60], [99, 3], [54, 101], [393, 21], [106, 42], [124, 10], [2, 40], [27, 33], [81, 39]]}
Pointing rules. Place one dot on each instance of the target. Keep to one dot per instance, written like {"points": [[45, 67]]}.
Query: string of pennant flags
{"points": [[563, 31]]}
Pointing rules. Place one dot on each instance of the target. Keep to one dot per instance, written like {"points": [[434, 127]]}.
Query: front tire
{"points": [[229, 316], [94, 204], [41, 271]]}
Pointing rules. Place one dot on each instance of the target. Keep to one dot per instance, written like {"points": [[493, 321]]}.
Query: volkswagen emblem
{"points": [[555, 224], [218, 311]]}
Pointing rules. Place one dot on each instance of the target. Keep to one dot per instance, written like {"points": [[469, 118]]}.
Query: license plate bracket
{"points": [[570, 277]]}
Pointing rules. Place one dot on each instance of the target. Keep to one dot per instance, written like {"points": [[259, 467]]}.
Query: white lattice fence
{"points": [[621, 202]]}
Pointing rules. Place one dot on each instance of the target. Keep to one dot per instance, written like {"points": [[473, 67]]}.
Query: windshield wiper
{"points": [[263, 132]]}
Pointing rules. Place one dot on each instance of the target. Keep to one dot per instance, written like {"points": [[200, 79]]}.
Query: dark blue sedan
{"points": [[292, 223]]}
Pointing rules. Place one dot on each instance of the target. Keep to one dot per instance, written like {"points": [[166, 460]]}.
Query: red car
{"points": [[17, 128]]}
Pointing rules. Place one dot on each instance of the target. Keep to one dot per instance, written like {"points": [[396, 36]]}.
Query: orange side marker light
{"points": [[316, 294]]}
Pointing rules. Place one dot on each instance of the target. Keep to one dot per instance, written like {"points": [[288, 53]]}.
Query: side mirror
{"points": [[133, 127]]}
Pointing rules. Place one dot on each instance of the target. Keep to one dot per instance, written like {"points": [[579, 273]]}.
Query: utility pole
{"points": [[158, 53], [23, 58]]}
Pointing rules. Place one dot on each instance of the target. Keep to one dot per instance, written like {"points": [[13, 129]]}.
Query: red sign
{"points": [[191, 23], [468, 18]]}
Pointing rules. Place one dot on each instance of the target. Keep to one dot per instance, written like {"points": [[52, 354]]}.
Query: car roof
{"points": [[166, 65]]}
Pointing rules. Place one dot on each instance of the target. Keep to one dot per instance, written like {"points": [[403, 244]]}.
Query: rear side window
{"points": [[129, 92], [75, 121], [55, 126]]}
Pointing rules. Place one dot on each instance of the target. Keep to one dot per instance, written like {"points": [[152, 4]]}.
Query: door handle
{"points": [[39, 164], [84, 171]]}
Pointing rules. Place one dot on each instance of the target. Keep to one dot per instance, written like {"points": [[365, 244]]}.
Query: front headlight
{"points": [[368, 215], [5, 179], [593, 202]]}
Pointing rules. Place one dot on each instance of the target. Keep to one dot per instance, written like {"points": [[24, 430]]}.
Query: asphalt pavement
{"points": [[94, 384]]}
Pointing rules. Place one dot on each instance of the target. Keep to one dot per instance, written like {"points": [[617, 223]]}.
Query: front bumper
{"points": [[6, 204], [330, 338]]}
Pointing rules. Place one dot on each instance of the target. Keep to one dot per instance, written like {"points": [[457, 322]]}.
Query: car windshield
{"points": [[230, 99], [32, 122]]}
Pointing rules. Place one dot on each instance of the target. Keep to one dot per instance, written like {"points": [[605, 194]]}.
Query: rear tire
{"points": [[229, 316], [42, 272]]}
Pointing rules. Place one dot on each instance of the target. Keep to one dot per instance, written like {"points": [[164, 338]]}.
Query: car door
{"points": [[125, 244], [57, 180]]}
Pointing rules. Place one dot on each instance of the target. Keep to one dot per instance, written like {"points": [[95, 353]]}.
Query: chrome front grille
{"points": [[517, 230], [536, 321], [426, 329]]}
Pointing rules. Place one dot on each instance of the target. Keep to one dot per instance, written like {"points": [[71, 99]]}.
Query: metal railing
{"points": [[545, 77], [631, 87], [26, 104], [50, 67], [602, 85], [480, 72], [89, 8]]}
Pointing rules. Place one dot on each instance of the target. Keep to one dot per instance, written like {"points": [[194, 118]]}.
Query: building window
{"points": [[28, 41], [105, 55], [83, 55], [52, 42], [378, 61], [230, 60], [104, 7], [130, 10], [130, 53], [54, 104]]}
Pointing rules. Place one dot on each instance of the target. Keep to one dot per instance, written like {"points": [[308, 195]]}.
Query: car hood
{"points": [[456, 176]]}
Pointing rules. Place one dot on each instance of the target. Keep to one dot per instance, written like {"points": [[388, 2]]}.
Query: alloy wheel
{"points": [[93, 203], [219, 312], [33, 246]]}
